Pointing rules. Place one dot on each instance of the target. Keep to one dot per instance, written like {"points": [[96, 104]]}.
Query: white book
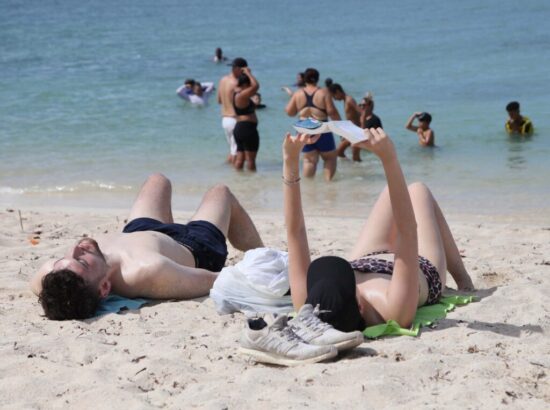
{"points": [[346, 129]]}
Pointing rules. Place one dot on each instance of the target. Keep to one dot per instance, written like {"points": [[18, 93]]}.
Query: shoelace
{"points": [[314, 322], [287, 337]]}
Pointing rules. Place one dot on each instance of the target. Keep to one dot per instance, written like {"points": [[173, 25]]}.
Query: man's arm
{"points": [[165, 279], [218, 94], [409, 125], [331, 108]]}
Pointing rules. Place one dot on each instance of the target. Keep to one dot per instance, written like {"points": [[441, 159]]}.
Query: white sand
{"points": [[491, 354]]}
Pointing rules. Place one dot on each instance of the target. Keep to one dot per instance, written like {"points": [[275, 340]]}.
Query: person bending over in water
{"points": [[353, 112], [312, 101], [517, 123], [246, 129], [153, 257], [426, 136], [398, 263]]}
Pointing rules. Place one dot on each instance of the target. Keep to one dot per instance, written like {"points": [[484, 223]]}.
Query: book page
{"points": [[348, 130]]}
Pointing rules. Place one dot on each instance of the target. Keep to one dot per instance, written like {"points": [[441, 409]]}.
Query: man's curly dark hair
{"points": [[65, 296]]}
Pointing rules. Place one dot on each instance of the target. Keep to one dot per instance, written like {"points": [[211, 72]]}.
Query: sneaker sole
{"points": [[272, 358], [349, 344]]}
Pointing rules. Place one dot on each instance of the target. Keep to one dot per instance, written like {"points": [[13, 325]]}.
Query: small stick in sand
{"points": [[20, 220]]}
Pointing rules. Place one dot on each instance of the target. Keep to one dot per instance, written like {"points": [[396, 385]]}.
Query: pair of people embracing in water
{"points": [[399, 261]]}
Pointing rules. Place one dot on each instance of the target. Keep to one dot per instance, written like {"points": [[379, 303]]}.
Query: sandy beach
{"points": [[180, 354]]}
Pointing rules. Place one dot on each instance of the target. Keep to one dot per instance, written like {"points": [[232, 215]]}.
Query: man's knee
{"points": [[157, 179], [219, 192]]}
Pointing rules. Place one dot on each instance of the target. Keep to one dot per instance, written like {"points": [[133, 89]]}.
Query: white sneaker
{"points": [[277, 344], [313, 330]]}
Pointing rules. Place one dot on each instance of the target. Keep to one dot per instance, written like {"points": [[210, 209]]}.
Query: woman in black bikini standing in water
{"points": [[246, 130], [404, 223], [312, 101]]}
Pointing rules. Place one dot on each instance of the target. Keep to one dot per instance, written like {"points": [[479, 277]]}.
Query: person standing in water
{"points": [[226, 89], [246, 130], [426, 136], [312, 101], [352, 112], [517, 123]]}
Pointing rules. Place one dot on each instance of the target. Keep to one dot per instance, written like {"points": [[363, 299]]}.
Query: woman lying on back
{"points": [[398, 263]]}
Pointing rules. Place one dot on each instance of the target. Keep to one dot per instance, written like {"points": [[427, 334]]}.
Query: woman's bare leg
{"points": [[430, 241], [309, 163], [250, 158], [455, 266], [379, 232], [329, 164], [238, 162]]}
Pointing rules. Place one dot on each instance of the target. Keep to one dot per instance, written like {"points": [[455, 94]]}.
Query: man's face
{"points": [[514, 115], [237, 71], [86, 260]]}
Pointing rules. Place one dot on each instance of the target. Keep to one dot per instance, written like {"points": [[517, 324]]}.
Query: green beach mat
{"points": [[425, 316]]}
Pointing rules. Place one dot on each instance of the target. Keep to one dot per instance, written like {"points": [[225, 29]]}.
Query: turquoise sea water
{"points": [[88, 106]]}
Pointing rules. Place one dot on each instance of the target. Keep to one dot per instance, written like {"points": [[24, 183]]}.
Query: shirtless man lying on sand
{"points": [[153, 257]]}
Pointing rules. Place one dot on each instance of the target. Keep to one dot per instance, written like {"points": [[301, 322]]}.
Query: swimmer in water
{"points": [[517, 123], [426, 136]]}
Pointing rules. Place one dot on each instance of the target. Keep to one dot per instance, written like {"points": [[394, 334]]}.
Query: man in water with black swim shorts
{"points": [[153, 257]]}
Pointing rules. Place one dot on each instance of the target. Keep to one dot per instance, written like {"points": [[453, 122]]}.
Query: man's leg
{"points": [[154, 200], [220, 207], [342, 148], [356, 154], [228, 124]]}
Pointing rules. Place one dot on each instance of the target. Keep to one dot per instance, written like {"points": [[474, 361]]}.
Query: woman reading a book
{"points": [[399, 261]]}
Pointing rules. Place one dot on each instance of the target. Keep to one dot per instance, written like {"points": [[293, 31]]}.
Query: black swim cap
{"points": [[331, 284]]}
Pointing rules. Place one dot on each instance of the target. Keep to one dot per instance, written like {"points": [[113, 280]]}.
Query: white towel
{"points": [[257, 284]]}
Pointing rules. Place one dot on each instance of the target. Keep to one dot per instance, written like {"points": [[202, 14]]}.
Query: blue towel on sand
{"points": [[115, 304]]}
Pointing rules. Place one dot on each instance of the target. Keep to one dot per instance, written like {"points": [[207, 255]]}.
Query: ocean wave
{"points": [[79, 187]]}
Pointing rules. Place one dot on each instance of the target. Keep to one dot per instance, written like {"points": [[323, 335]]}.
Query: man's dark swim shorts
{"points": [[203, 239]]}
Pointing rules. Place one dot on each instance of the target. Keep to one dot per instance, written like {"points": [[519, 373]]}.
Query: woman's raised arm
{"points": [[298, 249], [402, 295]]}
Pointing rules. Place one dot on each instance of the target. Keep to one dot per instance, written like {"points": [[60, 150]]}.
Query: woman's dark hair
{"points": [[65, 296], [334, 88], [311, 76], [328, 82], [301, 82], [243, 80]]}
